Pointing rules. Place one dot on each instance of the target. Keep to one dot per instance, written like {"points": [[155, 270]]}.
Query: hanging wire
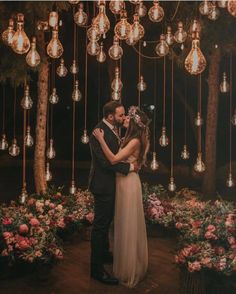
{"points": [[3, 108], [120, 69], [86, 84], [99, 89], [155, 102], [164, 92], [139, 73], [24, 151], [230, 113], [200, 111], [48, 108], [185, 109], [51, 105], [14, 112], [172, 116]]}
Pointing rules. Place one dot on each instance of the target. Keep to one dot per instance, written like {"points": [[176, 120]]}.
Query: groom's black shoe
{"points": [[108, 258], [104, 278]]}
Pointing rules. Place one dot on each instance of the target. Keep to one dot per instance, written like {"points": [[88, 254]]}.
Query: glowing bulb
{"points": [[231, 6], [131, 39], [20, 42], [33, 58], [195, 62], [72, 188], [122, 28], [51, 153], [195, 27], [74, 69], [185, 153], [53, 19], [116, 96], [198, 120], [224, 86], [23, 196], [101, 21], [29, 141], [93, 48], [80, 17], [205, 7], [162, 47], [48, 174], [116, 6], [214, 13], [76, 94], [171, 185], [61, 69], [230, 181], [93, 34], [73, 2], [163, 141], [141, 9], [54, 98], [115, 51], [199, 166], [169, 36], [8, 34], [156, 12], [14, 149], [26, 101], [85, 137], [54, 48], [222, 3], [3, 142], [233, 120], [142, 86], [116, 84], [101, 56], [154, 163], [180, 35], [137, 28]]}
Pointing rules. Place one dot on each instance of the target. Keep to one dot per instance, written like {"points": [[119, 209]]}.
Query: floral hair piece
{"points": [[132, 114]]}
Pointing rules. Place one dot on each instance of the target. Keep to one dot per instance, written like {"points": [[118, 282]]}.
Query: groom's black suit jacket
{"points": [[102, 174]]}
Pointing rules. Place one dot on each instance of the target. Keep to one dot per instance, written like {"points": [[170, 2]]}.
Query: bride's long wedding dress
{"points": [[130, 238]]}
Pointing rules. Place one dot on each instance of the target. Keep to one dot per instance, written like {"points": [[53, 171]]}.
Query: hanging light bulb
{"points": [[172, 186], [48, 174], [195, 62], [115, 51], [51, 153], [85, 137], [101, 56], [33, 58], [185, 153], [116, 6], [93, 48], [156, 12], [3, 142], [76, 94], [180, 35], [14, 149], [135, 2], [61, 69], [230, 181], [224, 86], [23, 196], [116, 96], [122, 28], [231, 6], [131, 41], [53, 19], [195, 27], [80, 17], [163, 141], [74, 69], [20, 42], [141, 9], [199, 166], [154, 163], [198, 120], [222, 3], [137, 28], [8, 34], [162, 47], [214, 13], [93, 34], [54, 48], [101, 21], [182, 46], [142, 86], [205, 7], [169, 37], [233, 120], [72, 188], [116, 84], [54, 98], [29, 141], [73, 2], [26, 101]]}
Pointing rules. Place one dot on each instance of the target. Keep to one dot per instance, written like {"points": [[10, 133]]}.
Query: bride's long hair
{"points": [[138, 128]]}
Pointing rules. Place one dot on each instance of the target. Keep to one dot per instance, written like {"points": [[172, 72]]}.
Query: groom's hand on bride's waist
{"points": [[135, 167]]}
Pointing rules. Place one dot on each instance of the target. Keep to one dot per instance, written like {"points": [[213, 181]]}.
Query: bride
{"points": [[130, 239]]}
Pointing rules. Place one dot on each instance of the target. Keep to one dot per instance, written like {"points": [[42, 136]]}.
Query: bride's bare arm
{"points": [[123, 154]]}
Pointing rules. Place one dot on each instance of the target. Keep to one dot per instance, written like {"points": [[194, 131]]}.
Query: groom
{"points": [[102, 183]]}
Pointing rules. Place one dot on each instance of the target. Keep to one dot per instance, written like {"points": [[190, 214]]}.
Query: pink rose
{"points": [[52, 205], [231, 240], [34, 222], [23, 229], [31, 201], [178, 225], [196, 224], [211, 228], [206, 262], [90, 217], [209, 235], [7, 221], [22, 243], [7, 235], [194, 266]]}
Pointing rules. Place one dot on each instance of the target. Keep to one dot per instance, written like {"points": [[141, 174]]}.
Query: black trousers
{"points": [[104, 213]]}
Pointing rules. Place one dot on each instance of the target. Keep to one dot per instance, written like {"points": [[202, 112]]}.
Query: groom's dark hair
{"points": [[110, 108]]}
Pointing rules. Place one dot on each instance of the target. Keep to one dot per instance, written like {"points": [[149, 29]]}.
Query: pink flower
{"points": [[23, 229], [90, 217], [206, 262], [7, 235], [4, 252], [38, 253], [196, 224], [22, 243], [211, 228], [31, 201], [7, 221], [194, 266], [52, 205], [209, 235], [178, 225], [231, 240], [34, 222]]}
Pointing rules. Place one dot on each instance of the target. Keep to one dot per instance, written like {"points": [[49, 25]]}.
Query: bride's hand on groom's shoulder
{"points": [[98, 134]]}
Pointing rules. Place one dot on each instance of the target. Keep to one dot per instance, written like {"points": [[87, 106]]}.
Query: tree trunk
{"points": [[40, 141], [211, 125]]}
